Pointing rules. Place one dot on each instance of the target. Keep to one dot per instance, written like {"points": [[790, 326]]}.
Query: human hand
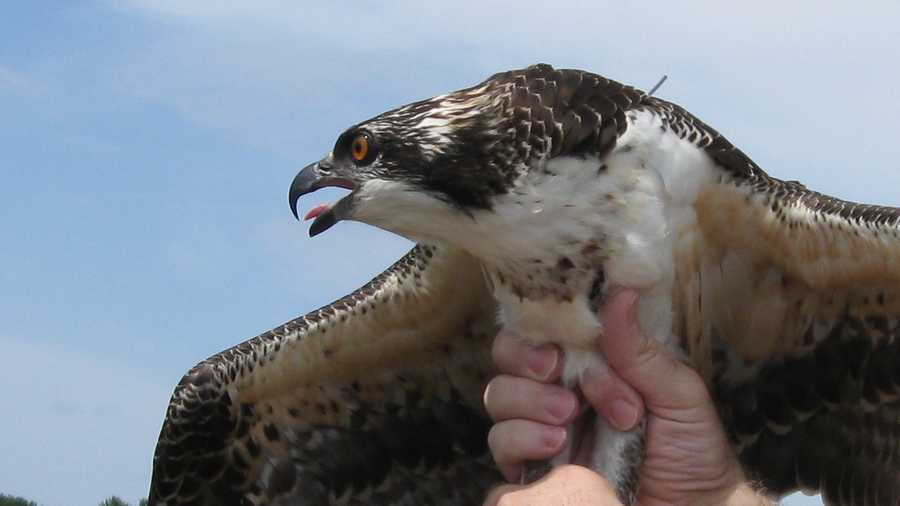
{"points": [[688, 459], [568, 485]]}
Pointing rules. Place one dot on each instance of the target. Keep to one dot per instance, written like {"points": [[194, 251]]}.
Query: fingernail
{"points": [[542, 361], [561, 406], [553, 437], [621, 414]]}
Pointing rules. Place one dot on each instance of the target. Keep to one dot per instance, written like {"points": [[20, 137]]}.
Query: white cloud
{"points": [[79, 418]]}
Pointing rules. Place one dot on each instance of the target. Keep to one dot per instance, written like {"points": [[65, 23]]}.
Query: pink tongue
{"points": [[319, 209]]}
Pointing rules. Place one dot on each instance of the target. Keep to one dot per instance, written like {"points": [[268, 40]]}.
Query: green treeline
{"points": [[9, 500]]}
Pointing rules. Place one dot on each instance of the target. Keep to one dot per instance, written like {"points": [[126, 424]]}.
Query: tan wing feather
{"points": [[791, 313], [350, 404]]}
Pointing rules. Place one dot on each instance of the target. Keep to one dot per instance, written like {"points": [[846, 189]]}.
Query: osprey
{"points": [[530, 194]]}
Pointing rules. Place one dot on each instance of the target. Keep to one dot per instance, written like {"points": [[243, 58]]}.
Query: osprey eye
{"points": [[360, 147]]}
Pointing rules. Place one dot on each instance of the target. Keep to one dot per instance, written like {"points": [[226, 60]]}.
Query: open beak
{"points": [[311, 178]]}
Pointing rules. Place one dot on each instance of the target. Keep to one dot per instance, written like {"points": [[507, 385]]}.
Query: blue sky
{"points": [[146, 148]]}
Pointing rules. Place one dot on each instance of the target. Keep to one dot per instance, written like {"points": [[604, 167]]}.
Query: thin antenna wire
{"points": [[660, 83]]}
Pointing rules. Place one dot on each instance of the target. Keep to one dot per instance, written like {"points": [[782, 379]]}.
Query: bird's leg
{"points": [[592, 442], [617, 456]]}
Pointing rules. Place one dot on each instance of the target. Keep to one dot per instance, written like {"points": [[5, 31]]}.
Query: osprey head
{"points": [[422, 169], [447, 155]]}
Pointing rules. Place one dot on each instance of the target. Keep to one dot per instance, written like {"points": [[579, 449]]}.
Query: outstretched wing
{"points": [[790, 307], [374, 399]]}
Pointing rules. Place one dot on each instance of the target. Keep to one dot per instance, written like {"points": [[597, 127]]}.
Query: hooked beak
{"points": [[313, 177]]}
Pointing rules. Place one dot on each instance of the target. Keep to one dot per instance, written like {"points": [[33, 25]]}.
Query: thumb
{"points": [[645, 363]]}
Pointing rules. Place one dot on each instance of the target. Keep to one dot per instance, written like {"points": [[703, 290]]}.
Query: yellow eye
{"points": [[360, 148]]}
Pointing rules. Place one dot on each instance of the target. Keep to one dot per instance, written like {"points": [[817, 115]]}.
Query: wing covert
{"points": [[789, 305], [564, 112], [825, 416], [351, 403]]}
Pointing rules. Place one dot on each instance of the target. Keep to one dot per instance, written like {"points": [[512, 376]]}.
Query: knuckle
{"points": [[647, 348], [649, 352]]}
